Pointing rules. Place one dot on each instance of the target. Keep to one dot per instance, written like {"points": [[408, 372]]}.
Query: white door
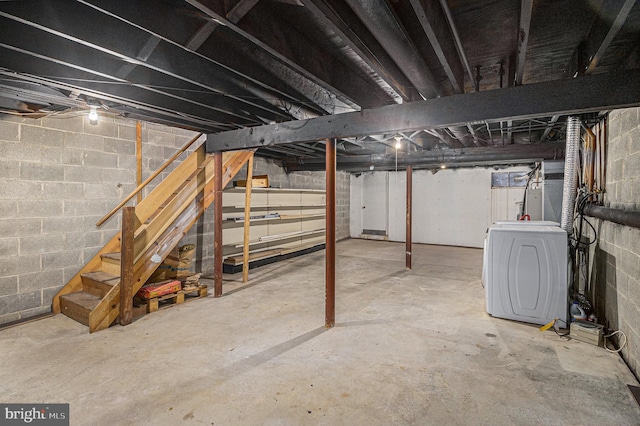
{"points": [[375, 199]]}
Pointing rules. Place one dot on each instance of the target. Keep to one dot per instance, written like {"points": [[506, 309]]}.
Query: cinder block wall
{"points": [[58, 176], [615, 273]]}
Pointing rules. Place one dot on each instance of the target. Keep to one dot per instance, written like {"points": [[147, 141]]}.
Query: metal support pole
{"points": [[330, 262], [247, 221], [409, 202], [217, 224], [126, 264]]}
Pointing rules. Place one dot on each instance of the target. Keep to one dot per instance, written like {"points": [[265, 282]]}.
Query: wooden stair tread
{"points": [[79, 305], [112, 256], [99, 283], [82, 298], [102, 277]]}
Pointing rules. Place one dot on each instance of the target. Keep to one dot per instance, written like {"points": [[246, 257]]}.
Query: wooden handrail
{"points": [[149, 179]]}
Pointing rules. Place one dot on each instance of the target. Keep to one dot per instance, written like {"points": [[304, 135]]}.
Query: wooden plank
{"points": [[99, 283], [261, 181], [235, 260], [126, 265], [147, 234], [247, 220], [139, 158], [280, 237], [110, 264], [169, 185]]}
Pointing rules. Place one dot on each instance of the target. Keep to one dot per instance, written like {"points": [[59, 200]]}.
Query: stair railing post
{"points": [[126, 265]]}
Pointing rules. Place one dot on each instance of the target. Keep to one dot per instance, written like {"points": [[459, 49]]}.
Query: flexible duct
{"points": [[570, 173]]}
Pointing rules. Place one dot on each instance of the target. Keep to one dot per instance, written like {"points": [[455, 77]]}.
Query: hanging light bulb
{"points": [[398, 143], [93, 115]]}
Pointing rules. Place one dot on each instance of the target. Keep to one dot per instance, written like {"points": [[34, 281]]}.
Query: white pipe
{"points": [[570, 173]]}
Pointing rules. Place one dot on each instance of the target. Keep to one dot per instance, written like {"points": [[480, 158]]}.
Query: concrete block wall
{"points": [[615, 264], [58, 176]]}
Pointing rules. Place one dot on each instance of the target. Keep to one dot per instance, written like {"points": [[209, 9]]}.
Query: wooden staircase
{"points": [[92, 296]]}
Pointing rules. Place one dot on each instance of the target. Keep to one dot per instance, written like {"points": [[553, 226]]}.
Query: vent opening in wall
{"points": [[374, 232]]}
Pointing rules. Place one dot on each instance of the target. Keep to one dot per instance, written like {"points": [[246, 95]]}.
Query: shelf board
{"points": [[242, 190], [285, 206], [281, 217], [273, 238]]}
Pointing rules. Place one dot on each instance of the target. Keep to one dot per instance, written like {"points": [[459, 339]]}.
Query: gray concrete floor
{"points": [[409, 347]]}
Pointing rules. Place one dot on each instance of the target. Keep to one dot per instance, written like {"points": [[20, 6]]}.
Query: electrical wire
{"points": [[556, 330], [624, 343]]}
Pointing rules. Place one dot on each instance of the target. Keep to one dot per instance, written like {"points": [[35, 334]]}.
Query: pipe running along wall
{"points": [[570, 173], [622, 217]]}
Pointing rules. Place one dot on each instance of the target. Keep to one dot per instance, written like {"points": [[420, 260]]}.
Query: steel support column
{"points": [[408, 241], [330, 261], [217, 224]]}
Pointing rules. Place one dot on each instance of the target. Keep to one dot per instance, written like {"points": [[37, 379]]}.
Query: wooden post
{"points": [[126, 265], [247, 221], [330, 261], [139, 157], [409, 202], [217, 224]]}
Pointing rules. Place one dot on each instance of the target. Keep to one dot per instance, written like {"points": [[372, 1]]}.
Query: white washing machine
{"points": [[525, 272]]}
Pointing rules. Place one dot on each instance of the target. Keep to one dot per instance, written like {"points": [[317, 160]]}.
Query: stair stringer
{"points": [[144, 210], [109, 307]]}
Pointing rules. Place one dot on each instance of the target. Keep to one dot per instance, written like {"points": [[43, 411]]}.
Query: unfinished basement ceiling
{"points": [[220, 65]]}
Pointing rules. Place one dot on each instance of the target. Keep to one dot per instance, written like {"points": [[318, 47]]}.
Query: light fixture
{"points": [[443, 166], [93, 115], [398, 143]]}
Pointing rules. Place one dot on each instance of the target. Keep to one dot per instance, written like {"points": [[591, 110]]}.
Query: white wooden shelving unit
{"points": [[284, 221]]}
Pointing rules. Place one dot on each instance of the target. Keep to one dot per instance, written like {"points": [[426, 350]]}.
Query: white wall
{"points": [[451, 207]]}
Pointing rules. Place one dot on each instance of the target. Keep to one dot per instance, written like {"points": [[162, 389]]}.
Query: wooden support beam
{"points": [[217, 224], [139, 157], [408, 241], [330, 261], [247, 221], [126, 264]]}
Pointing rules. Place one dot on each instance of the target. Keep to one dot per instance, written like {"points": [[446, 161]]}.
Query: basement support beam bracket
{"points": [[591, 93]]}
